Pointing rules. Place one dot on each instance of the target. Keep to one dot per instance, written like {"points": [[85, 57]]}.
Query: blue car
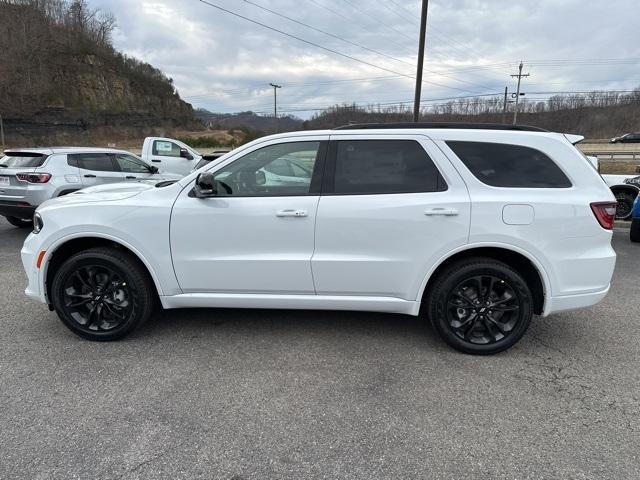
{"points": [[635, 221]]}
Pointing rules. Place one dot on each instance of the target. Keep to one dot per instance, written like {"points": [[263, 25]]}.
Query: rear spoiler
{"points": [[574, 139]]}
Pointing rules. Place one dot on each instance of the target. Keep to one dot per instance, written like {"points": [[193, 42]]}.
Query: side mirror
{"points": [[261, 178], [205, 185], [184, 153], [153, 169]]}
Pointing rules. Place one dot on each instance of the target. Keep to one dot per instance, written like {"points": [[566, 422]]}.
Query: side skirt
{"points": [[295, 302]]}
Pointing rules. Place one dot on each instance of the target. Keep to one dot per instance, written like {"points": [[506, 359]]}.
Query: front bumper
{"points": [[29, 254]]}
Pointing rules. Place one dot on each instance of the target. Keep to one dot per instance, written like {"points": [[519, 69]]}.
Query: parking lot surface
{"points": [[223, 394]]}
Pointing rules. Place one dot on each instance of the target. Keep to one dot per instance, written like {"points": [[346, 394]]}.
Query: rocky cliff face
{"points": [[54, 78]]}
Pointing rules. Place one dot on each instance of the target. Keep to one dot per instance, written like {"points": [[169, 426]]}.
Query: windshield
{"points": [[22, 160]]}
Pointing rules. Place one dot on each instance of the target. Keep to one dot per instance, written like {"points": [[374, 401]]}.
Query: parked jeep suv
{"points": [[475, 227], [29, 177]]}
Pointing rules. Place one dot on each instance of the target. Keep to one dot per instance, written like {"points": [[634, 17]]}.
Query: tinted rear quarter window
{"points": [[384, 166], [505, 165]]}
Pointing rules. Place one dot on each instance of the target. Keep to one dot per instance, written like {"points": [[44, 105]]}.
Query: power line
{"points": [[352, 21], [364, 62], [327, 33], [360, 10]]}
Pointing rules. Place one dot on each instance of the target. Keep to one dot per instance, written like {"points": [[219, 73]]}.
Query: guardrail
{"points": [[617, 156]]}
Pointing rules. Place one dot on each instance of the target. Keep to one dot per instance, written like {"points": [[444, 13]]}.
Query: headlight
{"points": [[37, 223]]}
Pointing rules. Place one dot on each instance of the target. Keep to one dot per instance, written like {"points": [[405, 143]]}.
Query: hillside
{"points": [[598, 114], [61, 77], [251, 120]]}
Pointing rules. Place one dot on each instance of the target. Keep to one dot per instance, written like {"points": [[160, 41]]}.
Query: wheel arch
{"points": [[527, 265], [70, 245], [625, 187]]}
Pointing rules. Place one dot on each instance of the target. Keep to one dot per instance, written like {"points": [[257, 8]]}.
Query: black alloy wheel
{"points": [[480, 306], [102, 294], [97, 298], [483, 309]]}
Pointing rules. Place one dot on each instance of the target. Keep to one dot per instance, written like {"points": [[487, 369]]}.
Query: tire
{"points": [[102, 294], [465, 320], [625, 205], [20, 222], [634, 233]]}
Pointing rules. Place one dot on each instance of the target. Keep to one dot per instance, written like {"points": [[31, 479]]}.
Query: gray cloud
{"points": [[224, 63]]}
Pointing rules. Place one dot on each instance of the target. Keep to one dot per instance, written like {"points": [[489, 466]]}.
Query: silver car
{"points": [[28, 177]]}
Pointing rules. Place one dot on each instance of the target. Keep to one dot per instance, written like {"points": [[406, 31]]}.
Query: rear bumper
{"points": [[574, 302], [10, 208]]}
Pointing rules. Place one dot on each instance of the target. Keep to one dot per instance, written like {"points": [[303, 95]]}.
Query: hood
{"points": [[103, 193]]}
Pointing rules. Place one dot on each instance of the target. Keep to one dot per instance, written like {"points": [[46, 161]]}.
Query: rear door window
{"points": [[512, 166], [382, 167], [96, 162]]}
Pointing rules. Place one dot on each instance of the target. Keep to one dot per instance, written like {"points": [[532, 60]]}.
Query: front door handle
{"points": [[130, 177], [89, 176], [447, 212], [291, 213], [155, 160]]}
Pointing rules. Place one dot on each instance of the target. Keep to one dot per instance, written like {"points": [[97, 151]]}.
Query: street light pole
{"points": [[423, 34], [275, 103]]}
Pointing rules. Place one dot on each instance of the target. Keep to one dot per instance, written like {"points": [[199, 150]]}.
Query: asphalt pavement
{"points": [[250, 394]]}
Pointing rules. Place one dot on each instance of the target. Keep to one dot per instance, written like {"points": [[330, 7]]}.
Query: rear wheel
{"points": [[20, 222], [625, 205], [480, 306], [102, 294], [635, 230]]}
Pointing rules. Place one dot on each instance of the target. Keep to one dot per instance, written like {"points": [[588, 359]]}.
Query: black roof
{"points": [[465, 126]]}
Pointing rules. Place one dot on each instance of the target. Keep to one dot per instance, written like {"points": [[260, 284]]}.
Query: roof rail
{"points": [[451, 125]]}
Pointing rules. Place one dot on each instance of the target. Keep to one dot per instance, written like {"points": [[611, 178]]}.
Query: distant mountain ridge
{"points": [[248, 119]]}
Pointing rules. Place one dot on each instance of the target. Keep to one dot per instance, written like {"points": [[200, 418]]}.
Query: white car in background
{"points": [[476, 227], [29, 177]]}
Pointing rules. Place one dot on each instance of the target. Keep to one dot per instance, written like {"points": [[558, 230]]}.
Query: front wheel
{"points": [[102, 294], [20, 222], [480, 306]]}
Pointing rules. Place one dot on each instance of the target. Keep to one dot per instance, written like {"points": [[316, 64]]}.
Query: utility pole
{"points": [[504, 108], [275, 104], [2, 134], [520, 75], [423, 34]]}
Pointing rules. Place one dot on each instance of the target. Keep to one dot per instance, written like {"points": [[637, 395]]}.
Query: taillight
{"points": [[33, 177], [605, 213]]}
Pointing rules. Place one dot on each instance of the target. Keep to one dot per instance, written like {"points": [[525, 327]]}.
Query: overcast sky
{"points": [[224, 63]]}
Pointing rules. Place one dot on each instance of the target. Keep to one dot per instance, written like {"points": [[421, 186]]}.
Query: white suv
{"points": [[476, 227], [28, 177]]}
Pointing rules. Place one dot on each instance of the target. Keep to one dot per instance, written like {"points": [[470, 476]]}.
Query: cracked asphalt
{"points": [[223, 394]]}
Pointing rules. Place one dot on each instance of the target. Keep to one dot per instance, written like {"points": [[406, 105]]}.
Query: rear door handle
{"points": [[447, 212], [291, 213], [89, 176], [130, 177]]}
